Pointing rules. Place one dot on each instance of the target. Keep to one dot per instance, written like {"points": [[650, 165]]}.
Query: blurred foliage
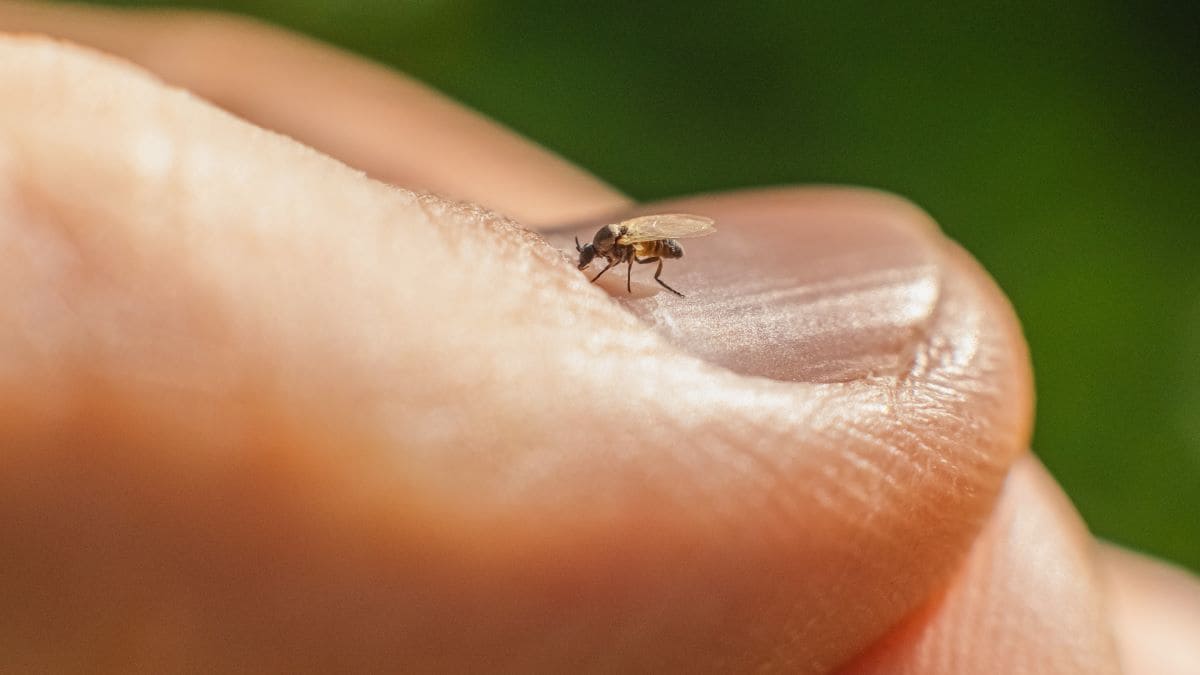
{"points": [[1059, 142]]}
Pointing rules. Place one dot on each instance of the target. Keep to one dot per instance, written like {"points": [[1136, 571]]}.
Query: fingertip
{"points": [[901, 368], [1155, 612], [1027, 598]]}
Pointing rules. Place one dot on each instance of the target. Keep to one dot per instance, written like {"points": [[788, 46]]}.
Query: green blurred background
{"points": [[1059, 142]]}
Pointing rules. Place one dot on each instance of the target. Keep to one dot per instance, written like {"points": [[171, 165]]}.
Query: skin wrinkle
{"points": [[919, 329], [777, 491]]}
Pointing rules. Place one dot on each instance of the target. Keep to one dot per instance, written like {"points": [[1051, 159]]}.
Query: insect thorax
{"points": [[606, 238]]}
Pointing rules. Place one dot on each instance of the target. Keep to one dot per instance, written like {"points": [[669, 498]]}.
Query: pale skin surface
{"points": [[263, 413]]}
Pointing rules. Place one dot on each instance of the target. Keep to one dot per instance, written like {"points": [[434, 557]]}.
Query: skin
{"points": [[263, 413]]}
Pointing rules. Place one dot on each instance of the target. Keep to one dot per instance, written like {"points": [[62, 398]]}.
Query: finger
{"points": [[1155, 610], [1029, 598], [372, 118], [280, 415]]}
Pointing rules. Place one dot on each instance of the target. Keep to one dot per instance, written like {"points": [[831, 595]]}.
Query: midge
{"points": [[644, 240]]}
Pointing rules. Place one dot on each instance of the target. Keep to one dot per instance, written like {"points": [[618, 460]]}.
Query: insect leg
{"points": [[658, 272], [610, 264], [629, 276]]}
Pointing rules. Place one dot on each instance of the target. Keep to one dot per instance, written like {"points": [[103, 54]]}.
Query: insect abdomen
{"points": [[660, 248]]}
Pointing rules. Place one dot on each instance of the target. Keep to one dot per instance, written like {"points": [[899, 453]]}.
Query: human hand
{"points": [[262, 413]]}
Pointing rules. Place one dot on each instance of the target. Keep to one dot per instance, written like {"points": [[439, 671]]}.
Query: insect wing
{"points": [[665, 226]]}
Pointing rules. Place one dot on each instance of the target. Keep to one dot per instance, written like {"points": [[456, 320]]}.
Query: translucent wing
{"points": [[665, 226]]}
